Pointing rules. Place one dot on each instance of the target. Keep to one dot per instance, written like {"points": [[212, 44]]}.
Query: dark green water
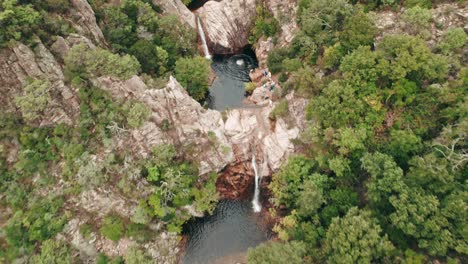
{"points": [[231, 230], [228, 89]]}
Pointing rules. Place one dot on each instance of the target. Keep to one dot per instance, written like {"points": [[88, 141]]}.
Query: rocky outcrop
{"points": [[285, 12], [227, 24], [61, 46], [84, 21], [202, 134], [177, 8], [176, 119], [443, 18], [19, 65], [250, 129], [92, 207]]}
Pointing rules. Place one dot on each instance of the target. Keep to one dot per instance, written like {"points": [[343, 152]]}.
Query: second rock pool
{"points": [[226, 234]]}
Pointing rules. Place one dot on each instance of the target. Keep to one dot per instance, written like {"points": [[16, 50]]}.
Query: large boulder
{"points": [[227, 24]]}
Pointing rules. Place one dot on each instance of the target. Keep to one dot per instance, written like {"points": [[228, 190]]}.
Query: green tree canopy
{"points": [[193, 74], [34, 99], [53, 252], [17, 21], [277, 253], [286, 184], [356, 238], [86, 63]]}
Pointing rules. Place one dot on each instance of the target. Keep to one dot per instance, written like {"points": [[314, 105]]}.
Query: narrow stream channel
{"points": [[225, 236], [234, 227]]}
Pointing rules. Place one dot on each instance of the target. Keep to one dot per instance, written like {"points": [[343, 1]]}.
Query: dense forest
{"points": [[378, 175], [382, 175]]}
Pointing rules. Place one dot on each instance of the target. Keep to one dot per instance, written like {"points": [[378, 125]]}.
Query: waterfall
{"points": [[203, 39], [255, 202]]}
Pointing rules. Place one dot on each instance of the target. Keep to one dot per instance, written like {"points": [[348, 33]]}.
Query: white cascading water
{"points": [[203, 39], [257, 207]]}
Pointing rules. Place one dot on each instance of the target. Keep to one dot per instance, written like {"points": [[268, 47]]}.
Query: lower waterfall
{"points": [[255, 202]]}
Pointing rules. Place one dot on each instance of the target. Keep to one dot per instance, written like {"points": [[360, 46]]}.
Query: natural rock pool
{"points": [[227, 234], [228, 89]]}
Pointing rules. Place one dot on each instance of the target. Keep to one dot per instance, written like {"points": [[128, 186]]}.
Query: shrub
{"points": [[250, 87], [452, 39], [207, 197], [281, 110], [193, 74], [113, 228], [356, 238], [418, 19], [164, 154], [86, 230], [322, 17], [52, 251], [137, 256], [52, 5], [90, 171], [139, 232], [18, 21], [35, 99], [40, 221], [87, 63], [278, 253], [141, 215], [153, 59], [265, 24], [118, 28], [275, 59], [291, 65], [285, 183], [421, 3], [178, 39], [332, 56], [358, 30], [283, 78], [137, 114], [306, 83]]}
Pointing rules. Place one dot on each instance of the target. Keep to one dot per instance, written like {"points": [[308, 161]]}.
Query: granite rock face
{"points": [[21, 64], [203, 135], [227, 24], [251, 130], [176, 119], [94, 206], [176, 7], [443, 18], [84, 21], [285, 12]]}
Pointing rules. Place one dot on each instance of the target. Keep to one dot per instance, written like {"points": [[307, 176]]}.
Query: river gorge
{"points": [[236, 224]]}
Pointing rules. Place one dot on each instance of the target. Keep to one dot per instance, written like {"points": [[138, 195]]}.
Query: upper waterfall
{"points": [[203, 39]]}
